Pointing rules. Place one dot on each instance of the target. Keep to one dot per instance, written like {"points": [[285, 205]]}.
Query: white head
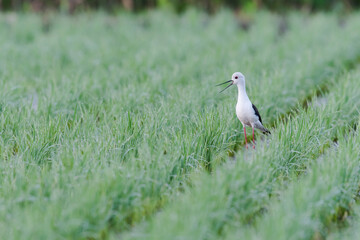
{"points": [[236, 79]]}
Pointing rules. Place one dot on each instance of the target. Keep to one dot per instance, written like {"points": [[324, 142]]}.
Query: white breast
{"points": [[244, 109], [245, 113]]}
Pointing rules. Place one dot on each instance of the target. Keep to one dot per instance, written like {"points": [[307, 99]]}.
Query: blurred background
{"points": [[210, 6]]}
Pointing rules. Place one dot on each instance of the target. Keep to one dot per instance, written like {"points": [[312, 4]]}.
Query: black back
{"points": [[257, 112]]}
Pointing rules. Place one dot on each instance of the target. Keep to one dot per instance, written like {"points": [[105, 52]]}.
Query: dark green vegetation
{"points": [[178, 5], [105, 120]]}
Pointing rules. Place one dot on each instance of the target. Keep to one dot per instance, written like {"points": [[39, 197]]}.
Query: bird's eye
{"points": [[236, 77]]}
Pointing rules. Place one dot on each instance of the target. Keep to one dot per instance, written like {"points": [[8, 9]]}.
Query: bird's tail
{"points": [[263, 129], [266, 131]]}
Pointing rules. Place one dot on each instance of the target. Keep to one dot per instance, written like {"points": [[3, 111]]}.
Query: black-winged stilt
{"points": [[246, 112]]}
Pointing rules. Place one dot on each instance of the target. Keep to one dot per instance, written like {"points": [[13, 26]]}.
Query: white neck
{"points": [[242, 96]]}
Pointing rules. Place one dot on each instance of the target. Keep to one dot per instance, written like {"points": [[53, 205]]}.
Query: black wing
{"points": [[257, 112]]}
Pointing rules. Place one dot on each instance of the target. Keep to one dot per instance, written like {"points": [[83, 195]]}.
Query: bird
{"points": [[246, 111]]}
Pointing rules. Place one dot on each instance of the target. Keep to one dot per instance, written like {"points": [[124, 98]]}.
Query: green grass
{"points": [[239, 191], [322, 199], [105, 119], [353, 223], [313, 206]]}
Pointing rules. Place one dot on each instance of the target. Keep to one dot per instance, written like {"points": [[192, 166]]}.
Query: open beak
{"points": [[232, 82]]}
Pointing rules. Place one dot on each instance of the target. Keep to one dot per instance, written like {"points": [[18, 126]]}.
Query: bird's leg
{"points": [[253, 138], [245, 138]]}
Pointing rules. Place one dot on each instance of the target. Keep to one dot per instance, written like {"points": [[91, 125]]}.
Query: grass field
{"points": [[112, 127]]}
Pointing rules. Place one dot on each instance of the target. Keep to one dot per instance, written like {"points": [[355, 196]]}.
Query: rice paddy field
{"points": [[111, 126]]}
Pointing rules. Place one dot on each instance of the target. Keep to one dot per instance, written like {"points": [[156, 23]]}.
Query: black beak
{"points": [[227, 86]]}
